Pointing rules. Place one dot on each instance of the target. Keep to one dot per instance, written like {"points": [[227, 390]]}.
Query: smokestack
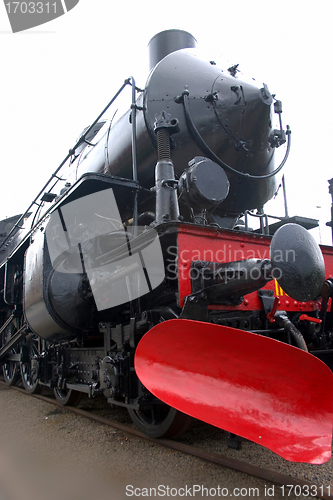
{"points": [[166, 42]]}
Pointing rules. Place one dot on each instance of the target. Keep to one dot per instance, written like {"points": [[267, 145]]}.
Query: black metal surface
{"points": [[236, 125], [166, 193], [41, 318], [14, 341], [167, 208], [196, 187], [222, 123], [298, 261], [227, 283], [283, 320], [166, 42], [56, 304]]}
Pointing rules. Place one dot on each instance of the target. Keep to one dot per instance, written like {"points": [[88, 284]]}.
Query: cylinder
{"points": [[166, 194], [166, 42]]}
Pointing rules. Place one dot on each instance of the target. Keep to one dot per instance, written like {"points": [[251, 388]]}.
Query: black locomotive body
{"points": [[147, 228]]}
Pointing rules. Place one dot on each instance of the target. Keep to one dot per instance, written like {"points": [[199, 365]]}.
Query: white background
{"points": [[57, 77]]}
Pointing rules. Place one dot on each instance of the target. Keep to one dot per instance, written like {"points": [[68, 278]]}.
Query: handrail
{"points": [[134, 108], [128, 81]]}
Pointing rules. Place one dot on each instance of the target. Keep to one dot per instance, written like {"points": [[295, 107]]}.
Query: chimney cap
{"points": [[168, 41]]}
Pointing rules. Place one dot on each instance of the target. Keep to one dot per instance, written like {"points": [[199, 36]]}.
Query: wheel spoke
{"points": [[10, 371], [67, 397], [153, 416], [30, 368], [160, 420]]}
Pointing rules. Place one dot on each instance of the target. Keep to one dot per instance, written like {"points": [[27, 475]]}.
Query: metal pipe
{"points": [[283, 320], [166, 42], [134, 157], [285, 196]]}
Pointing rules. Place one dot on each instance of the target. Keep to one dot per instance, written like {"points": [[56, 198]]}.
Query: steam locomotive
{"points": [[135, 274]]}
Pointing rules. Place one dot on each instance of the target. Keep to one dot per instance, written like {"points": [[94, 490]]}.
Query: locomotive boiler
{"points": [[134, 273]]}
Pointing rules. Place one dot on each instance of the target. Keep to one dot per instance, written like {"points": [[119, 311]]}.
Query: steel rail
{"points": [[231, 463]]}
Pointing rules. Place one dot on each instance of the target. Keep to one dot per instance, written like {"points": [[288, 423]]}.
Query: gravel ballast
{"points": [[47, 453]]}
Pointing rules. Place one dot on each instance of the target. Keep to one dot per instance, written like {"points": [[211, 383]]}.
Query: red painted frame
{"points": [[208, 244]]}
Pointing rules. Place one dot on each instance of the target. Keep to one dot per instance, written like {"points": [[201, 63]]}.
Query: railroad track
{"points": [[215, 458]]}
